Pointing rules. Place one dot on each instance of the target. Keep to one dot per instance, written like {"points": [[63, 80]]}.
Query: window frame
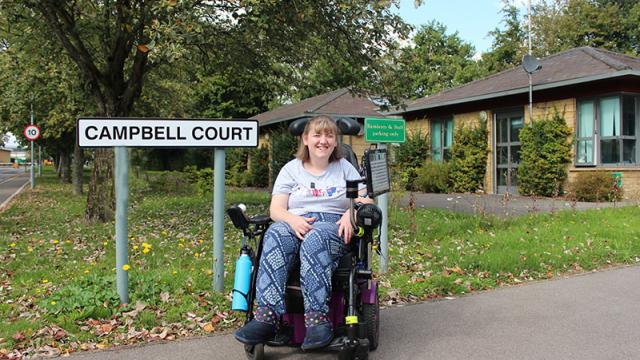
{"points": [[597, 137], [443, 124]]}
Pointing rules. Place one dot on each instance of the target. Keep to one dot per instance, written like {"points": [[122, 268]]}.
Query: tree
{"points": [[509, 45], [116, 44], [563, 24], [436, 61]]}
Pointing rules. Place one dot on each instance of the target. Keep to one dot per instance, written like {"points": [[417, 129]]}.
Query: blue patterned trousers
{"points": [[319, 254]]}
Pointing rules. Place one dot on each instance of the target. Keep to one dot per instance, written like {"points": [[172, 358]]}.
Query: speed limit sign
{"points": [[32, 132]]}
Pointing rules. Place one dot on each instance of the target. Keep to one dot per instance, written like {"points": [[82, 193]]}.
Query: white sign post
{"points": [[138, 132]]}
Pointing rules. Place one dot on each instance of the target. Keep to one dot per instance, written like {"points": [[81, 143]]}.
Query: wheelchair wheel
{"points": [[371, 314], [254, 352]]}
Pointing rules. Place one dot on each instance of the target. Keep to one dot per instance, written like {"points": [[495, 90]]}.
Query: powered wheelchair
{"points": [[353, 307]]}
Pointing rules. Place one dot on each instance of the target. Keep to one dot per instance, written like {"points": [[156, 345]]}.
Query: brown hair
{"points": [[323, 124]]}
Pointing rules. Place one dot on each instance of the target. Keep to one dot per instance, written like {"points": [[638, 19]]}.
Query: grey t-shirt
{"points": [[311, 193]]}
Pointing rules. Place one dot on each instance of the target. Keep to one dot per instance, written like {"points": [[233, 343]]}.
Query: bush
{"points": [[410, 156], [469, 158], [596, 186], [259, 167], [544, 156], [433, 177], [283, 148]]}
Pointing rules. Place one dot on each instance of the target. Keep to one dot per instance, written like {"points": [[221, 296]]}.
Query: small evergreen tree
{"points": [[544, 155], [410, 156], [469, 158]]}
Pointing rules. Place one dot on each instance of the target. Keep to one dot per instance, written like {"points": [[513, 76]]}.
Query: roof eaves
{"points": [[522, 90]]}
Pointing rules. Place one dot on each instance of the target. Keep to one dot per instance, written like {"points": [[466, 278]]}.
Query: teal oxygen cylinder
{"points": [[242, 281]]}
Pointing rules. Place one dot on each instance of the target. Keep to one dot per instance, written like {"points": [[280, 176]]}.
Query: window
{"points": [[606, 133], [441, 139]]}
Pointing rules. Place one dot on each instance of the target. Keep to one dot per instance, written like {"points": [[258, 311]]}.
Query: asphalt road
{"points": [[11, 180], [590, 316]]}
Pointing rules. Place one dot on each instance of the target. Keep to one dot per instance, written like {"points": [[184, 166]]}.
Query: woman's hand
{"points": [[300, 225], [344, 227]]}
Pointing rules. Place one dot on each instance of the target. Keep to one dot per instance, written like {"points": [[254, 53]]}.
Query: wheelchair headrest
{"points": [[347, 126]]}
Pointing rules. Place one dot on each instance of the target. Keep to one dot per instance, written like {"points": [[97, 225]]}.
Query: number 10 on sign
{"points": [[31, 132]]}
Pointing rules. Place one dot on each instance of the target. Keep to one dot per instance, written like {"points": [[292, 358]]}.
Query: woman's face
{"points": [[320, 143]]}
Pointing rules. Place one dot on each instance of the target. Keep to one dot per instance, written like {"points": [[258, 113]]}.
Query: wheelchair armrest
{"points": [[260, 219]]}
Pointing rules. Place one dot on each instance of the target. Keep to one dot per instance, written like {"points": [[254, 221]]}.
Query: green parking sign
{"points": [[383, 130]]}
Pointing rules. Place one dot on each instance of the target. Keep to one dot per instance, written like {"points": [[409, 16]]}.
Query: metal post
{"points": [[122, 235], [383, 203], [39, 160], [32, 175], [530, 101], [218, 219]]}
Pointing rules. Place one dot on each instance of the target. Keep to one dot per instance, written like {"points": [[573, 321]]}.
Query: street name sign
{"points": [[137, 132], [384, 130], [31, 132]]}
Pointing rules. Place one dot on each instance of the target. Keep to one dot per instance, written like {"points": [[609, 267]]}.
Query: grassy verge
{"points": [[449, 253], [57, 291]]}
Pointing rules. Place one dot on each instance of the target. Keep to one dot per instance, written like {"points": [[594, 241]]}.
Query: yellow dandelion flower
{"points": [[145, 250], [37, 291], [45, 281], [135, 247], [196, 254], [126, 267], [105, 243], [210, 272], [181, 245], [53, 302], [174, 272], [86, 271], [30, 249], [56, 241], [12, 244], [200, 241], [146, 245]]}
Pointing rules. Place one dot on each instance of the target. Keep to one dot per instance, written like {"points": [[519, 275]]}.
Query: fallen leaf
{"points": [[106, 328], [59, 334], [209, 328], [18, 336]]}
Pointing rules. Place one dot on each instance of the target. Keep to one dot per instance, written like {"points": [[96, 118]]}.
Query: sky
{"points": [[473, 19]]}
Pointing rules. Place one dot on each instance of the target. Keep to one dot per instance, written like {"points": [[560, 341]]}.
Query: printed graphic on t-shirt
{"points": [[303, 191]]}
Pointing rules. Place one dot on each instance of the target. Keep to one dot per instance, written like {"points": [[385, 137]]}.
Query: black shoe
{"points": [[317, 336], [256, 332]]}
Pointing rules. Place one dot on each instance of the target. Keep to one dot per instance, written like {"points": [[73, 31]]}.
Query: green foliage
{"points": [[595, 186], [92, 295], [410, 156], [435, 62], [509, 44], [433, 177], [469, 158], [259, 167], [283, 148], [544, 156]]}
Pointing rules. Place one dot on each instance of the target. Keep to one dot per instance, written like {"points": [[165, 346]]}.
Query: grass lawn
{"points": [[57, 280]]}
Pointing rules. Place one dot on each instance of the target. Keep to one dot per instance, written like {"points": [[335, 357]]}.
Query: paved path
{"points": [[11, 180], [500, 205], [591, 316]]}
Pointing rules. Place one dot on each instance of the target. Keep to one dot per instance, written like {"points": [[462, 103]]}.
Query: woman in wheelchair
{"points": [[312, 226]]}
